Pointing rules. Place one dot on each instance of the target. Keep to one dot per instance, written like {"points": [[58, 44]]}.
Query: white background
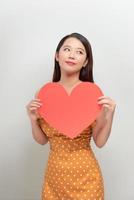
{"points": [[29, 33]]}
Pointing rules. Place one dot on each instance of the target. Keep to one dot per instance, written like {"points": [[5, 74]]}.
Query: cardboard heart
{"points": [[70, 113]]}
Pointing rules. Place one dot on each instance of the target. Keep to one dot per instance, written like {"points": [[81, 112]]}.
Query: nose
{"points": [[72, 54]]}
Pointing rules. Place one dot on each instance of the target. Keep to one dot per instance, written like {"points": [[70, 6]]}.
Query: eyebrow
{"points": [[77, 48]]}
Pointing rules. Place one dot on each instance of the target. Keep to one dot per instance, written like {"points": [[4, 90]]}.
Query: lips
{"points": [[70, 63]]}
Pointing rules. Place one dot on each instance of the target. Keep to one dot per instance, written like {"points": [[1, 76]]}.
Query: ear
{"points": [[56, 56], [85, 63]]}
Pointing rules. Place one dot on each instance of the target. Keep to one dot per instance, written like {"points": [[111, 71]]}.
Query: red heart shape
{"points": [[70, 113]]}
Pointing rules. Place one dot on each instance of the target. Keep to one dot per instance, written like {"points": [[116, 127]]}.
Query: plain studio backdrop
{"points": [[29, 33]]}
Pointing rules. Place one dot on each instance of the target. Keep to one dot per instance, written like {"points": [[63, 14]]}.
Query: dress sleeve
{"points": [[93, 124], [40, 122]]}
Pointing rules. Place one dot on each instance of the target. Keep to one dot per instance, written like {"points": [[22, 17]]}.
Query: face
{"points": [[72, 55]]}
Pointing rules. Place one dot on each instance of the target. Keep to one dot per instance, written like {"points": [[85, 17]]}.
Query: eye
{"points": [[66, 49], [79, 52]]}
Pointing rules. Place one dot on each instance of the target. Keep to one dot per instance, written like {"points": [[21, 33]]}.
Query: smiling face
{"points": [[71, 56]]}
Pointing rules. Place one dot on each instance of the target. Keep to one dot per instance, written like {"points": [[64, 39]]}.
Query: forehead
{"points": [[73, 42]]}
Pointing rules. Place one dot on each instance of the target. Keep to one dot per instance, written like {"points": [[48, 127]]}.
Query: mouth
{"points": [[70, 63]]}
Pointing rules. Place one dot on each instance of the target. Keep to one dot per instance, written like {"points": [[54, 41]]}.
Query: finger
{"points": [[33, 108], [104, 97], [110, 104], [36, 103], [104, 101], [33, 101], [37, 100], [106, 106]]}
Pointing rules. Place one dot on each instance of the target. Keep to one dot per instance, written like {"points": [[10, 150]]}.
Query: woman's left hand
{"points": [[108, 106]]}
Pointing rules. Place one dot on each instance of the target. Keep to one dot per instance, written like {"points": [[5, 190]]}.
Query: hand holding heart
{"points": [[108, 106], [70, 113]]}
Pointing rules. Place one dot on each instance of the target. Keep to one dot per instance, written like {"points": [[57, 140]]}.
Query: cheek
{"points": [[81, 60], [61, 56], [61, 60]]}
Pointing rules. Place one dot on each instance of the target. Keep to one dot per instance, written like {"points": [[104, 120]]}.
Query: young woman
{"points": [[73, 172]]}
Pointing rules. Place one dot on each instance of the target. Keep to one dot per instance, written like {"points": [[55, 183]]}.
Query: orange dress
{"points": [[72, 171]]}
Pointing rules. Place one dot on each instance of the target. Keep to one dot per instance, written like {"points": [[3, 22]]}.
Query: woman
{"points": [[73, 172]]}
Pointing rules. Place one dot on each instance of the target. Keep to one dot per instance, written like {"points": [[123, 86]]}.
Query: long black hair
{"points": [[86, 73]]}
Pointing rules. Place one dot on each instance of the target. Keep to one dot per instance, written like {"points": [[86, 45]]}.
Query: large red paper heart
{"points": [[70, 113]]}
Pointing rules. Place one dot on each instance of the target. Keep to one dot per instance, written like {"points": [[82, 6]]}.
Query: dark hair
{"points": [[86, 73]]}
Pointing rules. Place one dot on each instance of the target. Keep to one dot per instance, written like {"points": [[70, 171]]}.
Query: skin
{"points": [[73, 50]]}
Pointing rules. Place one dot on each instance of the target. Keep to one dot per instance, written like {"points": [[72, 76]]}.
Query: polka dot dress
{"points": [[72, 171]]}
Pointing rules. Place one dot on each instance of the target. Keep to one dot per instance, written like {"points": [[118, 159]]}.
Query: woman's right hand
{"points": [[32, 107]]}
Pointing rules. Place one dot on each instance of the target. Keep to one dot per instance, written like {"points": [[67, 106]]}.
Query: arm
{"points": [[38, 134], [102, 129]]}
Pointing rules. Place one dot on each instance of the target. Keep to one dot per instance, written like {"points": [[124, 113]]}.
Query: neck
{"points": [[69, 80]]}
